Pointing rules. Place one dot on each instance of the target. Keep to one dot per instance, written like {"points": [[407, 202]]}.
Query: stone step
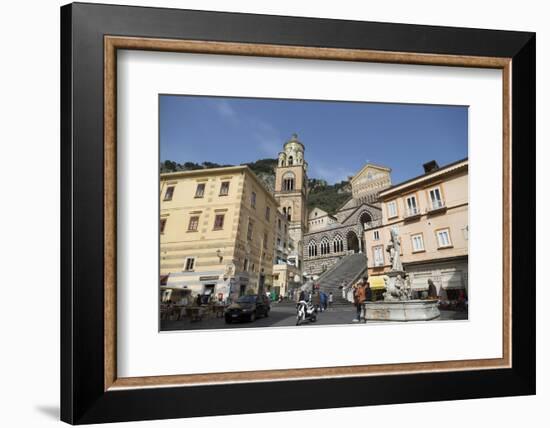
{"points": [[349, 268]]}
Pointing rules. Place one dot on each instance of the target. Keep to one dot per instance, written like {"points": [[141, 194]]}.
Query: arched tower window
{"points": [[290, 161], [325, 246], [338, 244], [289, 213], [312, 248], [282, 159], [288, 181], [364, 218], [284, 211]]}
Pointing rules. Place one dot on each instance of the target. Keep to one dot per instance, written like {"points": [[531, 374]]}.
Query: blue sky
{"points": [[339, 137]]}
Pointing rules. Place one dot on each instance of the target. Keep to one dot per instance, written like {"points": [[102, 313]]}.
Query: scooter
{"points": [[305, 311]]}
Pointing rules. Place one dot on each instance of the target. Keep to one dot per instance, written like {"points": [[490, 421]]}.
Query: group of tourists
{"points": [[319, 299]]}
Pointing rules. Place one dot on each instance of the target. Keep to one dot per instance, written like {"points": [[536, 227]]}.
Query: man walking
{"points": [[359, 298], [330, 299], [316, 299]]}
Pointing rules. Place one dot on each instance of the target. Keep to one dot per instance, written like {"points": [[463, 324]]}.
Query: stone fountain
{"points": [[397, 304]]}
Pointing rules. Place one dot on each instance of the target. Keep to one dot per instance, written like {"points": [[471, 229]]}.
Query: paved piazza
{"points": [[284, 315]]}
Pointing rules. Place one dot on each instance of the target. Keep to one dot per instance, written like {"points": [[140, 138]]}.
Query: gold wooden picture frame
{"points": [[114, 43]]}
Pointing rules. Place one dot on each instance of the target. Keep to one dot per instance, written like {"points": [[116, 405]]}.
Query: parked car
{"points": [[248, 308]]}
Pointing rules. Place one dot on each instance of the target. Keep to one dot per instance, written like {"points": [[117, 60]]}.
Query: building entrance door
{"points": [[208, 292], [353, 242]]}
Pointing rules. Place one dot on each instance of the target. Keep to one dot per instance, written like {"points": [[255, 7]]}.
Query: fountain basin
{"points": [[402, 310]]}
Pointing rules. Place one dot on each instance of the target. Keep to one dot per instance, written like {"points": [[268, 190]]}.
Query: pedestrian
{"points": [[302, 296], [344, 287], [432, 291], [359, 297], [330, 299], [324, 301], [316, 300]]}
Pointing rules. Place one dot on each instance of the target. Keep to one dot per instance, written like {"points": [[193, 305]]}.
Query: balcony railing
{"points": [[372, 224], [412, 212], [437, 205]]}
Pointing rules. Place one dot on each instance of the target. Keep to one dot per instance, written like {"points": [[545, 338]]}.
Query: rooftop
{"points": [[443, 170], [217, 171]]}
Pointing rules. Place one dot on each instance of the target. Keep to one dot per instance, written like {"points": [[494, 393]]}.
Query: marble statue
{"points": [[394, 248], [398, 304], [396, 288]]}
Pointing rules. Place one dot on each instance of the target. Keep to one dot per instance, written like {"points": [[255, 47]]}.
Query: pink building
{"points": [[430, 213]]}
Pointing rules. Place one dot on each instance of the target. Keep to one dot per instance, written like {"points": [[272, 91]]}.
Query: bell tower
{"points": [[291, 187]]}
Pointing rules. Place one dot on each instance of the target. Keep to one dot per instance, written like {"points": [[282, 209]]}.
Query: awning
{"points": [[452, 280], [377, 282], [454, 285], [420, 282], [172, 287]]}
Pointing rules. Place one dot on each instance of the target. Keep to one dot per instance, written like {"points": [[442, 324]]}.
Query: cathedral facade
{"points": [[321, 239], [331, 237]]}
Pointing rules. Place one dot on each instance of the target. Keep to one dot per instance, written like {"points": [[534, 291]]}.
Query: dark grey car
{"points": [[248, 308]]}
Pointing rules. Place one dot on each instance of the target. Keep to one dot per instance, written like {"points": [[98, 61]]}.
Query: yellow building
{"points": [[285, 277], [430, 213], [286, 273], [217, 232]]}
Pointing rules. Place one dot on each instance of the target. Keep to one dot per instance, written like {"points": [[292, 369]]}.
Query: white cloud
{"points": [[264, 134], [267, 136], [225, 109]]}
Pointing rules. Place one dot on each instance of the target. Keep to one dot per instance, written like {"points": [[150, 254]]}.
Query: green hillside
{"points": [[329, 197]]}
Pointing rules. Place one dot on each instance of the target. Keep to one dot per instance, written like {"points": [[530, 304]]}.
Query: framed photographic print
{"points": [[257, 206]]}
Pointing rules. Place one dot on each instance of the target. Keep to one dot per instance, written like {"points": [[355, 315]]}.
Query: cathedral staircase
{"points": [[349, 269]]}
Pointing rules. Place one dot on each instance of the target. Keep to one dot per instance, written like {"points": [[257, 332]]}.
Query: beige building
{"points": [[430, 213], [319, 220], [217, 231]]}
